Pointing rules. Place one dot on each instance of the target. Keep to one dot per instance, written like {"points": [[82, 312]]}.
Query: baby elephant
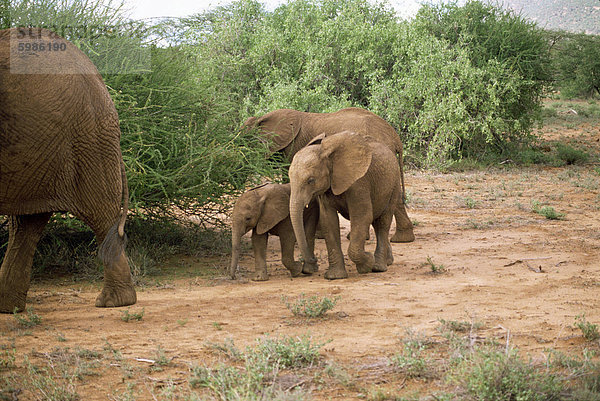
{"points": [[265, 210]]}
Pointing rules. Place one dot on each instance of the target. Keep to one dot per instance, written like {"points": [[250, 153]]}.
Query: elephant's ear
{"points": [[280, 127], [275, 207], [350, 156]]}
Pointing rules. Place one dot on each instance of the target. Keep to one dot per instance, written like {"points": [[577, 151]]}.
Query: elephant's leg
{"points": [[259, 247], [118, 287], [404, 227], [331, 225], [15, 273], [287, 241], [359, 229], [311, 222], [383, 251]]}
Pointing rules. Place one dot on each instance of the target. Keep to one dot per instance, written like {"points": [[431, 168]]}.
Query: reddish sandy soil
{"points": [[516, 272]]}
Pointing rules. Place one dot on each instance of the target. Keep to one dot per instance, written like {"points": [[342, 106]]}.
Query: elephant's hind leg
{"points": [[118, 285], [15, 273], [383, 250], [404, 227]]}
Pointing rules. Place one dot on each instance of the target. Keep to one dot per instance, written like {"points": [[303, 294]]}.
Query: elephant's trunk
{"points": [[297, 206], [236, 241]]}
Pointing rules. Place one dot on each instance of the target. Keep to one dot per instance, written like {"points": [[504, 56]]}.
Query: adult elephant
{"points": [[59, 151], [290, 130]]}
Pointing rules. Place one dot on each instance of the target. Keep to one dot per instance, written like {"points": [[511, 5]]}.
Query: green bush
{"points": [[570, 155], [576, 59]]}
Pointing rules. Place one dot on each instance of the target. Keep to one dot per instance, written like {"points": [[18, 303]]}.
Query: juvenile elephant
{"points": [[359, 178], [290, 130], [59, 151], [265, 210]]}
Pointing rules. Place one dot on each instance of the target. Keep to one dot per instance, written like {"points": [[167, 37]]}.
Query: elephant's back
{"points": [[361, 121]]}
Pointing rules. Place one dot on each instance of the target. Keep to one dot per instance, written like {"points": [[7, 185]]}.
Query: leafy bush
{"points": [[576, 59], [570, 155]]}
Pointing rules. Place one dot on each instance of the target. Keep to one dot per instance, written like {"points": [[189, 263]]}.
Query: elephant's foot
{"points": [[295, 268], [260, 275], [111, 297], [335, 273], [310, 267], [389, 258], [367, 265], [379, 268], [11, 302], [406, 235]]}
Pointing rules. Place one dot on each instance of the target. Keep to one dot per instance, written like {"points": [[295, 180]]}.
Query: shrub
{"points": [[310, 307], [589, 330], [570, 155], [490, 375]]}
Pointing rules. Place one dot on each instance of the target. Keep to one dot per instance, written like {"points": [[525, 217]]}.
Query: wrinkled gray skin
{"points": [[59, 151], [290, 130], [265, 210], [359, 178]]}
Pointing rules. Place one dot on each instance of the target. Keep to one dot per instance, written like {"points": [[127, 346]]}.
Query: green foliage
{"points": [[570, 155], [310, 307], [30, 319], [576, 60], [128, 316], [261, 365], [505, 73], [547, 211], [489, 375], [435, 268], [589, 330]]}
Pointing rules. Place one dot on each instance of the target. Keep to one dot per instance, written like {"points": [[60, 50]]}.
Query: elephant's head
{"points": [[279, 127], [259, 208], [327, 162]]}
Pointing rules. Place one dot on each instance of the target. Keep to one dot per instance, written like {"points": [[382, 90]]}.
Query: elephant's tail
{"points": [[125, 189]]}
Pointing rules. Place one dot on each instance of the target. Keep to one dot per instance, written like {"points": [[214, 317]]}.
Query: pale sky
{"points": [[140, 9]]}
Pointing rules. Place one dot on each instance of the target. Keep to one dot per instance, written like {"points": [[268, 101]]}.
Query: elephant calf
{"points": [[265, 210]]}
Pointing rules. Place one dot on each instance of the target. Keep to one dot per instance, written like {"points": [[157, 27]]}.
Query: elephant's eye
{"points": [[311, 181]]}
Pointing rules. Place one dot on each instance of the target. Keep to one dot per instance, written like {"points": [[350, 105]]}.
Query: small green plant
{"points": [[7, 357], [589, 330], [459, 326], [128, 316], [411, 360], [289, 352], [30, 319], [435, 269], [262, 363], [310, 307], [470, 203], [489, 374], [547, 211], [217, 326]]}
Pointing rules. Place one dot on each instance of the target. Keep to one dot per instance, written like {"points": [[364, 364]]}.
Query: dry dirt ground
{"points": [[521, 277]]}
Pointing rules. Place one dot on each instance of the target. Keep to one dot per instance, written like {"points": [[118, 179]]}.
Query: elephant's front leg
{"points": [[287, 241], [259, 246], [331, 224], [360, 221], [24, 234]]}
